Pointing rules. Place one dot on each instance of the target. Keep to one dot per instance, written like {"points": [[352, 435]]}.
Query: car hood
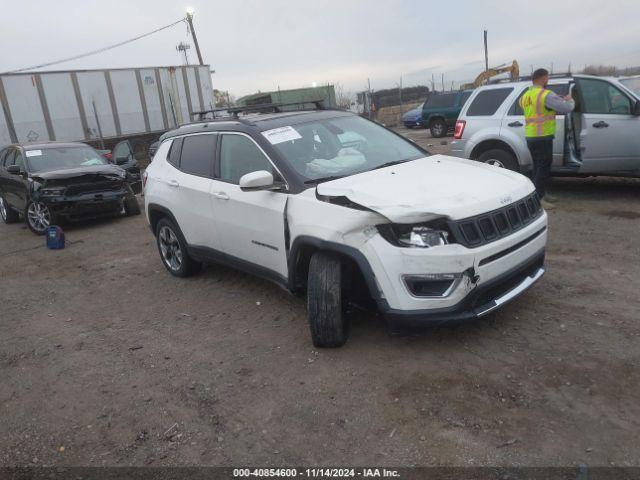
{"points": [[431, 187], [112, 171]]}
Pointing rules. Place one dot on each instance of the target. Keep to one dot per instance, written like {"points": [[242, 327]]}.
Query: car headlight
{"points": [[416, 236]]}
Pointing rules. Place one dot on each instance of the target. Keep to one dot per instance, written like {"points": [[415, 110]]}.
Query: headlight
{"points": [[415, 236]]}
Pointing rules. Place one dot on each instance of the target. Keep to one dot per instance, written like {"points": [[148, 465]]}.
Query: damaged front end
{"points": [[79, 195]]}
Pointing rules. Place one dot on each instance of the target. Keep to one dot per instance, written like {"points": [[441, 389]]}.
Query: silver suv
{"points": [[600, 137]]}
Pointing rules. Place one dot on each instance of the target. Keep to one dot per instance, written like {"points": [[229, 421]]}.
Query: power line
{"points": [[93, 52]]}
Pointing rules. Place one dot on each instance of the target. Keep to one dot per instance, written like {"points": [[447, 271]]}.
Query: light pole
{"points": [[190, 12]]}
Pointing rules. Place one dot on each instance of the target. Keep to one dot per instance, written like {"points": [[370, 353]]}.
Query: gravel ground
{"points": [[106, 359]]}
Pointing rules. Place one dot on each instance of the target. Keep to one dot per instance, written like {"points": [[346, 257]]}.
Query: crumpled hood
{"points": [[73, 173], [431, 187]]}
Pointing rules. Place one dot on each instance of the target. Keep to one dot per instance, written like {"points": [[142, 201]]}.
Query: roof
{"points": [[257, 121], [46, 145]]}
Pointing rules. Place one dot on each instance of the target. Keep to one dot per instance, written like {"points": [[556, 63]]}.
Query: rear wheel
{"points": [[499, 157], [173, 250], [39, 217], [438, 128], [327, 320], [8, 214]]}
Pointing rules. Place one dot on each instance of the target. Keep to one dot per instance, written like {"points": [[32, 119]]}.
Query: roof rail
{"points": [[525, 78], [265, 107]]}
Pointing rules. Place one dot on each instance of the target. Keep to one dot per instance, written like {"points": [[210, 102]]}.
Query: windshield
{"points": [[632, 84], [338, 147], [60, 158]]}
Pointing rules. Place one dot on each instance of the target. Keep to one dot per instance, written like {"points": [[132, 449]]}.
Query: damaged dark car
{"points": [[52, 182]]}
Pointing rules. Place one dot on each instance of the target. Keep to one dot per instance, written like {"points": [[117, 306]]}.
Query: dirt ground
{"points": [[105, 359]]}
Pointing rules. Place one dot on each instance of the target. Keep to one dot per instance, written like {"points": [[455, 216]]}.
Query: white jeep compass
{"points": [[338, 207]]}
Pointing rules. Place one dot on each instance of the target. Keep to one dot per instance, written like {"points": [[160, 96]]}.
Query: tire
{"points": [[38, 217], [327, 320], [131, 206], [438, 128], [173, 250], [500, 158], [8, 214]]}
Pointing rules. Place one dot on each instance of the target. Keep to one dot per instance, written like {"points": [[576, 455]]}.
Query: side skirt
{"points": [[209, 255]]}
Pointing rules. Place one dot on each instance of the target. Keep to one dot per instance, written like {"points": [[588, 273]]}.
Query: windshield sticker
{"points": [[282, 134], [34, 153]]}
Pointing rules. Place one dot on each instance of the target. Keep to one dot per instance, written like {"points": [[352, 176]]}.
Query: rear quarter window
{"points": [[487, 102]]}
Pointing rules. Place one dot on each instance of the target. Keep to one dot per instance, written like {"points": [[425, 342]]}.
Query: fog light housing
{"points": [[433, 285]]}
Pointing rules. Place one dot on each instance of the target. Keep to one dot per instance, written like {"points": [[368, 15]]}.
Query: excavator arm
{"points": [[513, 70]]}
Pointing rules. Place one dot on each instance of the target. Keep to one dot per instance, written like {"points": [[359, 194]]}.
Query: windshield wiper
{"points": [[323, 179], [389, 164]]}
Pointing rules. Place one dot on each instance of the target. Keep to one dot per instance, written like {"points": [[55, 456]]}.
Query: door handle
{"points": [[173, 183], [601, 124], [515, 124], [220, 195]]}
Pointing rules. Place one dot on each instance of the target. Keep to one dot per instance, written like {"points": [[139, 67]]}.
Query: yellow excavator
{"points": [[513, 70]]}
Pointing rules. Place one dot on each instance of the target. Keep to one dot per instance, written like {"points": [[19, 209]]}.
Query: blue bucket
{"points": [[55, 237]]}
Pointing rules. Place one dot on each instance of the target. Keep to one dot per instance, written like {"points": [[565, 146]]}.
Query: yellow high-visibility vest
{"points": [[539, 120]]}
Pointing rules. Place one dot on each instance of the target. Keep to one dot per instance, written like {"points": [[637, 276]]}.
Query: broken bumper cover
{"points": [[88, 205], [481, 301]]}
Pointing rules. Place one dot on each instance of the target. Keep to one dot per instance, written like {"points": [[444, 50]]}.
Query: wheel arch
{"points": [[304, 247], [493, 143], [157, 212]]}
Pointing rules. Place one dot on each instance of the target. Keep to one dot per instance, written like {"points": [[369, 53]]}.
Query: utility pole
{"points": [[183, 47], [486, 53], [433, 83], [443, 82], [193, 35]]}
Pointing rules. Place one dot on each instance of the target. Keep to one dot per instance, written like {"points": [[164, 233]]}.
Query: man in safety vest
{"points": [[540, 107]]}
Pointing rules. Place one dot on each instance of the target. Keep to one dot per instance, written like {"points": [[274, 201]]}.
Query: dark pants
{"points": [[541, 149]]}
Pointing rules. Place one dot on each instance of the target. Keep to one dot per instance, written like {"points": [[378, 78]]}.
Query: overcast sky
{"points": [[262, 44]]}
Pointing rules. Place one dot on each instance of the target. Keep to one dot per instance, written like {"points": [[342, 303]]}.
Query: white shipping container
{"points": [[81, 105]]}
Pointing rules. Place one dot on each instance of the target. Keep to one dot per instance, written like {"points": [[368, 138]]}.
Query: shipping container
{"points": [[101, 105]]}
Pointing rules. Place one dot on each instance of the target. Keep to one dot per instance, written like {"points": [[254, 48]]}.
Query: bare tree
{"points": [[223, 99], [600, 70], [343, 98]]}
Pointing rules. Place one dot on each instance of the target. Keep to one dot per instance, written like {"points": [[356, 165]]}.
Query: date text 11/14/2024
{"points": [[315, 473]]}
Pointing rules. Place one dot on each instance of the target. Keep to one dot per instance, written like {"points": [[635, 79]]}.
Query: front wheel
{"points": [[499, 157], [327, 321], [39, 217], [8, 214]]}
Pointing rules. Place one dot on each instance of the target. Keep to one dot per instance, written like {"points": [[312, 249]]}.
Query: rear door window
{"points": [[487, 102], [197, 154], [442, 100], [561, 89]]}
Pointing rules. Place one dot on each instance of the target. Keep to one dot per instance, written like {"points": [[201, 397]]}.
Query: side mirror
{"points": [[260, 180], [636, 108], [15, 169]]}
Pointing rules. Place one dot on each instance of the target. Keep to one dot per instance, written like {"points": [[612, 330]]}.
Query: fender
{"points": [[353, 253], [154, 207]]}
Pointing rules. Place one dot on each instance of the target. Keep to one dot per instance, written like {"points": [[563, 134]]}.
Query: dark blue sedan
{"points": [[413, 118]]}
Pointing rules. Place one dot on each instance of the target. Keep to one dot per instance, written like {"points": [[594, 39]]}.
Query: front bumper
{"points": [[412, 123], [88, 205], [480, 302]]}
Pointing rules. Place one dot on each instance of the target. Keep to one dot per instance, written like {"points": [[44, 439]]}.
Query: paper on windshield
{"points": [[281, 134], [34, 153]]}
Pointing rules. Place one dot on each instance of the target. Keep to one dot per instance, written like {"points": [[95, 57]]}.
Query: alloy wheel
{"points": [[494, 162], [38, 216], [170, 248]]}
